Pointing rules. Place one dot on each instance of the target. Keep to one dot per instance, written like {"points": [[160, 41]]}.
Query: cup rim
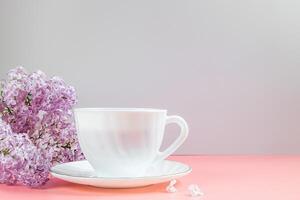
{"points": [[98, 109]]}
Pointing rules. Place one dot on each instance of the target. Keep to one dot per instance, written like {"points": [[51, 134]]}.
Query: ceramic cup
{"points": [[125, 142]]}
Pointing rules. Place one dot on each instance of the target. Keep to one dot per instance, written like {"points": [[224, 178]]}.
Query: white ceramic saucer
{"points": [[81, 172]]}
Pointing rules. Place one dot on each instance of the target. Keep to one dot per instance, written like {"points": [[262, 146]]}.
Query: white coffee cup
{"points": [[124, 142]]}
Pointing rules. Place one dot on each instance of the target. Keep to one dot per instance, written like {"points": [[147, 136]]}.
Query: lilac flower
{"points": [[37, 126], [20, 160]]}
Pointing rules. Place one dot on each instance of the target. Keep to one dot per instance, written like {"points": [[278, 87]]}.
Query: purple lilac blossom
{"points": [[37, 127]]}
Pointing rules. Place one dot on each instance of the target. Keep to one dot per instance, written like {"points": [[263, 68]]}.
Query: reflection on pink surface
{"points": [[220, 178]]}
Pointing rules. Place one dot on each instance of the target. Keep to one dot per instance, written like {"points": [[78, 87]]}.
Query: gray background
{"points": [[230, 68]]}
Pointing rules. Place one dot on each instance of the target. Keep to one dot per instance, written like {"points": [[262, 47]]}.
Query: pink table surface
{"points": [[220, 177]]}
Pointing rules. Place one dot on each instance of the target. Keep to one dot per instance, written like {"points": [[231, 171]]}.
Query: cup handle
{"points": [[181, 138]]}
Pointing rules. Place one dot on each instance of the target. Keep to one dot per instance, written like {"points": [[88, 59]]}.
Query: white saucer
{"points": [[81, 172]]}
